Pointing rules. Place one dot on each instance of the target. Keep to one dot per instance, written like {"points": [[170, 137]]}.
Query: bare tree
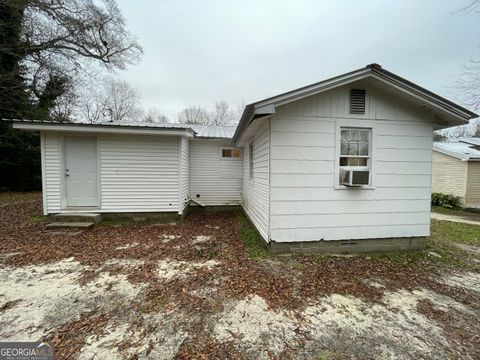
{"points": [[90, 104], [194, 115], [472, 6], [64, 106], [122, 101], [469, 85], [154, 115], [469, 82], [108, 100], [57, 34], [49, 42], [221, 115], [437, 136]]}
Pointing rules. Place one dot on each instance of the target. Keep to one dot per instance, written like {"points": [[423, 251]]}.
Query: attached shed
{"points": [[133, 167], [215, 166], [456, 170]]}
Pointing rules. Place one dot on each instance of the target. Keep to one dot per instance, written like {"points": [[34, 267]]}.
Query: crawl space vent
{"points": [[357, 101]]}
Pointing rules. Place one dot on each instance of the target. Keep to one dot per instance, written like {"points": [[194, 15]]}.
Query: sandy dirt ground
{"points": [[189, 290]]}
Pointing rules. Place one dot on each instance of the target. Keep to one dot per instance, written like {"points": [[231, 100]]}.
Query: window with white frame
{"points": [[231, 153], [355, 148], [250, 160]]}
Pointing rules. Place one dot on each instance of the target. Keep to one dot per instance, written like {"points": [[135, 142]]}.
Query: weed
{"points": [[255, 245]]}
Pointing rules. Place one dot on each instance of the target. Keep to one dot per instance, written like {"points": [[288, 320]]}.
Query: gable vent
{"points": [[357, 101]]}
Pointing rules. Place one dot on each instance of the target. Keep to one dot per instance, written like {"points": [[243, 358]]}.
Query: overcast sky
{"points": [[197, 52]]}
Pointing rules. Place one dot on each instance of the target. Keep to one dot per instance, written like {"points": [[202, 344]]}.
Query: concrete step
{"points": [[78, 217], [71, 225]]}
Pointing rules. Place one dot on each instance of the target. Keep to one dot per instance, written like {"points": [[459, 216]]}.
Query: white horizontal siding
{"points": [[355, 232], [255, 197], [53, 171], [349, 207], [139, 173], [306, 203], [292, 221], [302, 139], [321, 194], [217, 180]]}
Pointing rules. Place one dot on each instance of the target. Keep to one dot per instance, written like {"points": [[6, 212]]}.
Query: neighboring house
{"points": [[340, 165], [456, 170]]}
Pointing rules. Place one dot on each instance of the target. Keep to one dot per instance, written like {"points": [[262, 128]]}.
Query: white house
{"points": [[341, 165]]}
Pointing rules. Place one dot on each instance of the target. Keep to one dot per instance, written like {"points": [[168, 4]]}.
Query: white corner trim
{"points": [[44, 173], [180, 201]]}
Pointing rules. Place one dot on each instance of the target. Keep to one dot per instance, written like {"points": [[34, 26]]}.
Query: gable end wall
{"points": [[305, 202]]}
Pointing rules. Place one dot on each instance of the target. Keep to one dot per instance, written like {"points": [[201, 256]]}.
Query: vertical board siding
{"points": [[53, 172], [139, 173], [305, 203], [449, 175], [218, 181], [335, 104], [255, 197], [184, 172], [472, 195]]}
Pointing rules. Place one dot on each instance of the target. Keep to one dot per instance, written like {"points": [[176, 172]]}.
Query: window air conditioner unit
{"points": [[354, 177]]}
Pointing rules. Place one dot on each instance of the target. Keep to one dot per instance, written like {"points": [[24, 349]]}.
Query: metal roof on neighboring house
{"points": [[460, 150], [471, 141]]}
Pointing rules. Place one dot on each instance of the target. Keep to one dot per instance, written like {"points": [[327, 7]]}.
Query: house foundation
{"points": [[348, 246]]}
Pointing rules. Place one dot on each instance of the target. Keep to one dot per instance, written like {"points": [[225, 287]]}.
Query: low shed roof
{"points": [[213, 131], [202, 131]]}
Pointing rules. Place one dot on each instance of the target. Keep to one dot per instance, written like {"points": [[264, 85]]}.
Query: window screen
{"points": [[231, 153], [354, 147]]}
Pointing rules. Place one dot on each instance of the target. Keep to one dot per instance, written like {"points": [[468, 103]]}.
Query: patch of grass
{"points": [[444, 235], [255, 245], [38, 219], [326, 355], [456, 212], [449, 231], [407, 258]]}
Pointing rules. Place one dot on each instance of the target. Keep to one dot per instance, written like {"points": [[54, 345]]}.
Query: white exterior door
{"points": [[81, 178]]}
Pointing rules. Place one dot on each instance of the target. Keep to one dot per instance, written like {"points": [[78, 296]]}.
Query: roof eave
{"points": [[431, 98], [458, 156], [36, 125], [374, 70], [245, 120]]}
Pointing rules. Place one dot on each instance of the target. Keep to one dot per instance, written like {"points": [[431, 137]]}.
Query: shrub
{"points": [[444, 200]]}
